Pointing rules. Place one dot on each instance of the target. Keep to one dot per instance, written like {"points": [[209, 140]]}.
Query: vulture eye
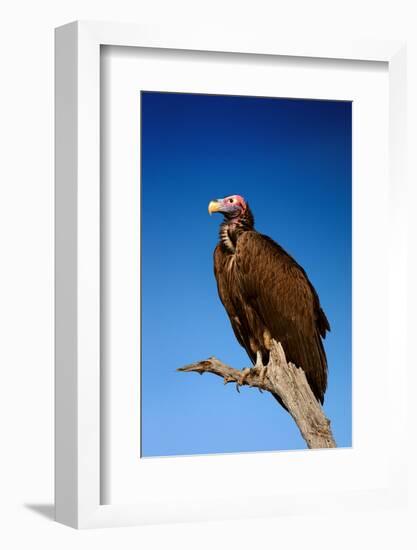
{"points": [[230, 200]]}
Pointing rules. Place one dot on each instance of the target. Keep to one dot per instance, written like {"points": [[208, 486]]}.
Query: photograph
{"points": [[208, 243], [246, 273]]}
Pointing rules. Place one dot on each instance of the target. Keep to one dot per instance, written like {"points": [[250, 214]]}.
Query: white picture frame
{"points": [[78, 427]]}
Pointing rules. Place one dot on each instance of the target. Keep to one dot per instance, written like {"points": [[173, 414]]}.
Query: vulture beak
{"points": [[214, 206]]}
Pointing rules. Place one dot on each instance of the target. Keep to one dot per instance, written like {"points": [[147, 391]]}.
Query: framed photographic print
{"points": [[296, 152]]}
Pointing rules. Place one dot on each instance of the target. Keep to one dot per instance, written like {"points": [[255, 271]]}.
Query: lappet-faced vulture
{"points": [[267, 294]]}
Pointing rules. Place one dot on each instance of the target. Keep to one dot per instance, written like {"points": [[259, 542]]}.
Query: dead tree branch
{"points": [[285, 380]]}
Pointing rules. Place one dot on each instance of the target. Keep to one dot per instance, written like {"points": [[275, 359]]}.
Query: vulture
{"points": [[267, 295]]}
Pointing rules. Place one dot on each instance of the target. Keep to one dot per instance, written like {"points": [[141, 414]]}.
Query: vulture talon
{"points": [[262, 374], [245, 373]]}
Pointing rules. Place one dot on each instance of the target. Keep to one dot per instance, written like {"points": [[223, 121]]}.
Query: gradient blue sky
{"points": [[291, 160]]}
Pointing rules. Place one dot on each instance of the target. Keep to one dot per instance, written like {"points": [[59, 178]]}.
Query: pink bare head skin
{"points": [[232, 206]]}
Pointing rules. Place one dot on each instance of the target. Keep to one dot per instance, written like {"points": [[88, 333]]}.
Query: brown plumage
{"points": [[267, 294]]}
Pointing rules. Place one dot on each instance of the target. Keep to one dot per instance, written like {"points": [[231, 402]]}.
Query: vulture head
{"points": [[231, 207]]}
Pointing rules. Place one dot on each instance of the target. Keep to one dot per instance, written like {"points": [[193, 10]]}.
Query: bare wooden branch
{"points": [[285, 380]]}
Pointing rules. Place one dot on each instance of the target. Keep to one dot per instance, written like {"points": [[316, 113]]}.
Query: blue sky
{"points": [[291, 160]]}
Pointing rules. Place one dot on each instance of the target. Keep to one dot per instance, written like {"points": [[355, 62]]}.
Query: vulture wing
{"points": [[270, 282]]}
